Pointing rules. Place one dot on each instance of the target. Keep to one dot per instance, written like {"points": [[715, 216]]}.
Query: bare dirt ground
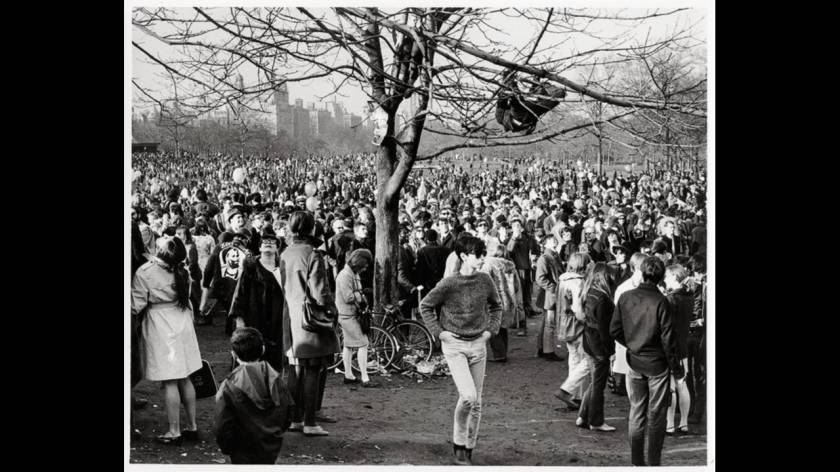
{"points": [[407, 422]]}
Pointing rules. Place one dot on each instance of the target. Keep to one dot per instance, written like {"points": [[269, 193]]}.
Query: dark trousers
{"points": [[650, 397], [305, 385], [592, 404], [527, 282], [499, 345], [696, 377], [240, 458]]}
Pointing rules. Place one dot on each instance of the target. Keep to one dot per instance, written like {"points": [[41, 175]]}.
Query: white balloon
{"points": [[239, 175]]}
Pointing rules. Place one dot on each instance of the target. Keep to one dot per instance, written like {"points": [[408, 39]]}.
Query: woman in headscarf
{"points": [[160, 295], [506, 279], [350, 301]]}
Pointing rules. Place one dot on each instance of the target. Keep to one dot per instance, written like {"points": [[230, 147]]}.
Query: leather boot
{"points": [[460, 455]]}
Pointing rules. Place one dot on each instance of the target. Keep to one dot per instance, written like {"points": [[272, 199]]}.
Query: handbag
{"points": [[316, 318], [203, 380], [363, 313]]}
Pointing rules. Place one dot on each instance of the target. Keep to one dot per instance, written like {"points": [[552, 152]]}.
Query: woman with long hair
{"points": [[160, 295], [309, 353], [183, 233], [597, 293]]}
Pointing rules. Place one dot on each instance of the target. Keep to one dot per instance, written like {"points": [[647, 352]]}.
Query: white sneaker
{"points": [[314, 431], [579, 421], [604, 427]]}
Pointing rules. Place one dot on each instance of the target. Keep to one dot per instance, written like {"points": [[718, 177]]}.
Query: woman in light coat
{"points": [[160, 294], [506, 279]]}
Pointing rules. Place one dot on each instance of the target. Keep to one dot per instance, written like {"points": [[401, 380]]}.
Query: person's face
{"points": [[268, 247], [134, 216], [612, 238], [620, 257], [482, 228], [645, 250], [443, 225], [258, 223], [360, 231], [566, 235], [670, 281], [181, 234], [227, 204], [473, 261], [668, 229], [338, 227], [516, 227], [237, 222], [550, 244]]}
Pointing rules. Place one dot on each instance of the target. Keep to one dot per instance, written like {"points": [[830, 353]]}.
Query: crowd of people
{"points": [[613, 264]]}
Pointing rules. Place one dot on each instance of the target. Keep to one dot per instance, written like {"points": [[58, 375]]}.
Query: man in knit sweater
{"points": [[470, 312]]}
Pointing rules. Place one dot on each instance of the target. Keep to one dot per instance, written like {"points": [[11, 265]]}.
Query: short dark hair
{"points": [[247, 344], [470, 245], [653, 270]]}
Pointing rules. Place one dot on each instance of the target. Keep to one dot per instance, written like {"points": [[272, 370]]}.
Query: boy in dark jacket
{"points": [[252, 406]]}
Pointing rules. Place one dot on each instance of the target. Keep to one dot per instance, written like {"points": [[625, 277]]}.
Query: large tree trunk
{"points": [[387, 234]]}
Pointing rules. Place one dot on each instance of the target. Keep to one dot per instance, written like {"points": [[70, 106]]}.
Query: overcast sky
{"points": [[514, 31]]}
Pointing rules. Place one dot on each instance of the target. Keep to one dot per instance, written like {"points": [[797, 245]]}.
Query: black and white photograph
{"points": [[430, 235]]}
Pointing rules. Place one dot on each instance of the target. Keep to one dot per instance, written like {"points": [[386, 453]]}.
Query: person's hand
{"points": [[446, 336], [485, 335], [240, 323]]}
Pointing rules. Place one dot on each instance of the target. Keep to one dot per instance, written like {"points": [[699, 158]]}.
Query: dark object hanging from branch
{"points": [[517, 113]]}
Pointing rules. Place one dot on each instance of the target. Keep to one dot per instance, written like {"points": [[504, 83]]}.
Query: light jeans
{"points": [[467, 361], [577, 380]]}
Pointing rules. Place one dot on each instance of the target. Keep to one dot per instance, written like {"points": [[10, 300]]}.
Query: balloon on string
{"points": [[239, 175], [310, 189], [312, 204]]}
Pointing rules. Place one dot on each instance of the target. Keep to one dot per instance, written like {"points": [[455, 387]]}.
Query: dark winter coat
{"points": [[258, 300]]}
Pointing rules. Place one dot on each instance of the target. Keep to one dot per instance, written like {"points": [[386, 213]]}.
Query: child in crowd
{"points": [[252, 405]]}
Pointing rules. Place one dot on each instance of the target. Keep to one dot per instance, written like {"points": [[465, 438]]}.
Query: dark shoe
{"points": [[566, 397], [351, 381], [461, 456], [497, 360], [370, 384], [670, 432], [324, 419], [176, 441], [469, 455], [189, 435], [580, 423], [684, 430]]}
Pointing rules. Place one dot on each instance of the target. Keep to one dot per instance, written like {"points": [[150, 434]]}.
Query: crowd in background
{"points": [[556, 239]]}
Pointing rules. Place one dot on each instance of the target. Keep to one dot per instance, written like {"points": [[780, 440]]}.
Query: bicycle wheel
{"points": [[338, 360], [415, 340], [382, 348]]}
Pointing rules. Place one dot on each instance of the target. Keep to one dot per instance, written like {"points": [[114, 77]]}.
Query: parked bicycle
{"points": [[393, 342]]}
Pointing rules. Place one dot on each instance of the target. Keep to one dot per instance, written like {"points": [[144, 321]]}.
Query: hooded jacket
{"points": [[252, 412]]}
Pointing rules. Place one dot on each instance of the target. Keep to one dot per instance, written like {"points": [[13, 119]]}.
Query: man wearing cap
{"points": [[522, 247], [446, 237]]}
